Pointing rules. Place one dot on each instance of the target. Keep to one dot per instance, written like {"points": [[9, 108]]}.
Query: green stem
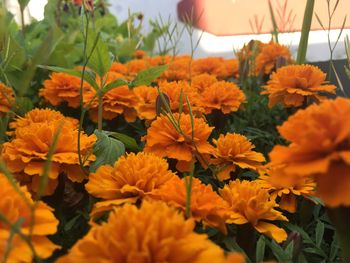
{"points": [[189, 181], [304, 39], [100, 112]]}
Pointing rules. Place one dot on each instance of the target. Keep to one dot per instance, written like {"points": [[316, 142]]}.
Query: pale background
{"points": [[210, 44]]}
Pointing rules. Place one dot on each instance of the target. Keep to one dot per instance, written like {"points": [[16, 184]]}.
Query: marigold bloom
{"points": [[234, 150], [132, 178], [286, 186], [152, 233], [158, 60], [223, 96], [15, 208], [62, 87], [42, 116], [119, 68], [292, 85], [251, 204], [206, 205], [268, 56], [212, 65], [173, 91], [135, 66], [321, 149], [146, 107], [164, 140], [179, 69], [117, 101], [202, 82], [26, 154], [232, 68], [7, 98]]}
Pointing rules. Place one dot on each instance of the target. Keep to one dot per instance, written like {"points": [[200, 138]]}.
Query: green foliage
{"points": [[147, 76]]}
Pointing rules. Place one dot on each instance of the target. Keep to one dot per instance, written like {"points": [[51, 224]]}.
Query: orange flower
{"points": [[293, 85], [232, 68], [179, 69], [234, 150], [146, 107], [201, 82], [120, 100], [173, 91], [320, 148], [158, 60], [135, 66], [140, 54], [7, 98], [152, 233], [42, 116], [16, 207], [268, 56], [132, 178], [251, 204], [27, 153], [164, 140], [206, 206], [119, 68], [62, 87], [223, 96], [286, 186], [212, 65]]}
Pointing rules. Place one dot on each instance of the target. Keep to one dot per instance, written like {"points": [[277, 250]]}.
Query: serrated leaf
{"points": [[114, 84], [279, 253], [147, 76], [88, 76], [99, 60], [106, 149], [260, 249], [129, 142], [319, 233]]}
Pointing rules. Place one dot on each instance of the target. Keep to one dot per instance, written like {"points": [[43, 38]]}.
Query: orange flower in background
{"points": [[286, 186], [146, 107], [179, 69], [250, 203], [232, 68], [234, 150], [223, 96], [206, 206], [134, 67], [164, 140], [140, 54], [26, 154], [62, 87], [293, 85], [119, 68], [132, 178], [173, 91], [7, 98], [159, 60], [42, 116], [18, 208], [152, 233], [212, 65], [118, 101], [202, 82], [269, 55], [320, 148]]}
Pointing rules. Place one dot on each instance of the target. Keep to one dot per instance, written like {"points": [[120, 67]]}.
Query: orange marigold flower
{"points": [[7, 98], [62, 87], [251, 204], [158, 60], [320, 149], [164, 140], [232, 68], [42, 116], [135, 66], [212, 65], [117, 101], [268, 56], [140, 54], [223, 96], [26, 154], [179, 69], [152, 233], [16, 208], [132, 178], [173, 91], [119, 68], [146, 107], [206, 206], [286, 186], [292, 85], [234, 150], [202, 82]]}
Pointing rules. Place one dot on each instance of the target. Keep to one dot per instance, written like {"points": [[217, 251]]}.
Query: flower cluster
{"points": [[7, 98]]}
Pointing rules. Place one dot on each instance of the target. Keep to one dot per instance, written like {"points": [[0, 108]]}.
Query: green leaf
{"points": [[114, 84], [70, 224], [146, 77], [319, 233], [88, 76], [279, 253], [129, 142], [260, 249], [23, 105], [107, 150], [13, 55], [99, 60], [23, 3]]}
